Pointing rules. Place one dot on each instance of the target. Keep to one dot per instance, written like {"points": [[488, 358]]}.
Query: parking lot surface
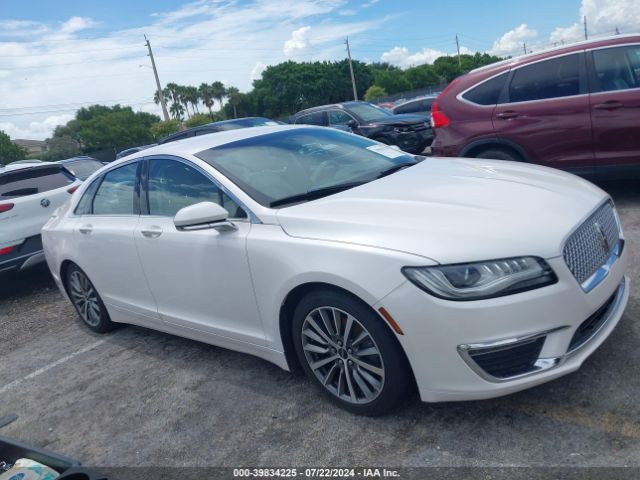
{"points": [[137, 397]]}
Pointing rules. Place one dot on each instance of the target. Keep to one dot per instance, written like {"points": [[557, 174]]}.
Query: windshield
{"points": [[368, 112], [291, 163]]}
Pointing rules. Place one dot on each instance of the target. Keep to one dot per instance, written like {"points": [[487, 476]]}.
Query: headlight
{"points": [[479, 280]]}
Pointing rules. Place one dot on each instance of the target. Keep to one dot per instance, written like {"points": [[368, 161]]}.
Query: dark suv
{"points": [[576, 108], [412, 133]]}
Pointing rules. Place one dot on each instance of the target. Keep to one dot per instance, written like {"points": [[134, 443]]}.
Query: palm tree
{"points": [[192, 95], [206, 96], [218, 92], [233, 94], [176, 110], [183, 98]]}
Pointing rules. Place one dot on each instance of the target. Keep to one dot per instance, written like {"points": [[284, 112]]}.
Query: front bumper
{"points": [[439, 335]]}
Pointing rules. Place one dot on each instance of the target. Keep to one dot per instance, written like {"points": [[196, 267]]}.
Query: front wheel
{"points": [[88, 303], [349, 353]]}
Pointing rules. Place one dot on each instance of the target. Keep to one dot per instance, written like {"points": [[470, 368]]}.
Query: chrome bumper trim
{"points": [[542, 364]]}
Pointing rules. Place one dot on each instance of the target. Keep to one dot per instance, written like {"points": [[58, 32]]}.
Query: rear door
{"points": [[615, 106], [35, 192], [108, 214], [545, 110]]}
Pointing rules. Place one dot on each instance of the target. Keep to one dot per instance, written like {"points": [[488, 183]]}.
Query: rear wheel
{"points": [[88, 303], [349, 353], [499, 154]]}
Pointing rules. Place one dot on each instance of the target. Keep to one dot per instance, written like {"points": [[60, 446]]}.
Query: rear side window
{"points": [[488, 92], [617, 68], [407, 108], [558, 77], [116, 192], [32, 181], [311, 119]]}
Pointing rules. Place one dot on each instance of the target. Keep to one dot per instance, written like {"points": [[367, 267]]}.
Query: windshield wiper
{"points": [[314, 194], [394, 169]]}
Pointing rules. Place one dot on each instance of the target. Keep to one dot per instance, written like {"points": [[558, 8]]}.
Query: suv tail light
{"points": [[438, 118], [73, 189], [5, 250], [5, 207]]}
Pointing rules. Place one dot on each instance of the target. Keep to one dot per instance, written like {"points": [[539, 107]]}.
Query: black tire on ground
{"points": [[393, 387], [87, 301], [499, 154]]}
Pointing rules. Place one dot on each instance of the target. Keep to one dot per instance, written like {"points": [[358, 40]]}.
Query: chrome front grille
{"points": [[591, 245]]}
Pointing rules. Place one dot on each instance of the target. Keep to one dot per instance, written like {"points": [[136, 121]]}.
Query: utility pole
{"points": [[353, 78], [586, 37], [165, 114], [458, 48], [617, 31], [524, 45]]}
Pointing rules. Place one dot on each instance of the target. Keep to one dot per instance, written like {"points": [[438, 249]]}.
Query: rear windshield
{"points": [[32, 181], [83, 168]]}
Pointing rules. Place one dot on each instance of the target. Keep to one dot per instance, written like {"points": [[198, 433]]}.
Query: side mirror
{"points": [[202, 216], [352, 124]]}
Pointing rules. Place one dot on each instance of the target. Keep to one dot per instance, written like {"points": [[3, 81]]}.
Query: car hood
{"points": [[453, 210], [401, 119]]}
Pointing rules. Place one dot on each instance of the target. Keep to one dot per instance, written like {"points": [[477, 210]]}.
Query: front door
{"points": [[200, 279]]}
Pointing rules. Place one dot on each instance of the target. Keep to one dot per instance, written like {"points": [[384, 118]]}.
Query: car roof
{"points": [[416, 99], [23, 166], [330, 105], [193, 145], [612, 40], [80, 157]]}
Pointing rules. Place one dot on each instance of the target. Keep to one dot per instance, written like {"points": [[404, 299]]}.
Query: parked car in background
{"points": [[412, 133], [575, 107], [221, 126], [81, 167], [29, 194], [20, 162], [311, 246], [419, 105], [131, 150]]}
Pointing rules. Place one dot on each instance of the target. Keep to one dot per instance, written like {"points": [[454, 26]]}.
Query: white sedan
{"points": [[367, 267]]}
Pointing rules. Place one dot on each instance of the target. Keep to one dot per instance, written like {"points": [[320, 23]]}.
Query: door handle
{"points": [[151, 232], [610, 105], [507, 115], [86, 229]]}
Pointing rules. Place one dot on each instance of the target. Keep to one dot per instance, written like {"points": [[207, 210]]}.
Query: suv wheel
{"points": [[499, 154], [88, 303], [349, 353]]}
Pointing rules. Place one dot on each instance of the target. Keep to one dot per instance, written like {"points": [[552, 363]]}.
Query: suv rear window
{"points": [[488, 92], [557, 77], [315, 118], [31, 181]]}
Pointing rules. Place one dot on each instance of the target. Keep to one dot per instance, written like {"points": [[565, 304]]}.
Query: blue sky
{"points": [[56, 56]]}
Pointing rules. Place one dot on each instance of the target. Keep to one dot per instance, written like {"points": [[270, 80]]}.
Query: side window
{"points": [[312, 119], [407, 108], [338, 117], [174, 185], [558, 77], [84, 205], [616, 68], [488, 92], [116, 192]]}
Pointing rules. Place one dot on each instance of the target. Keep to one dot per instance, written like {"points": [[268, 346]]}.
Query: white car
{"points": [[29, 193], [315, 247]]}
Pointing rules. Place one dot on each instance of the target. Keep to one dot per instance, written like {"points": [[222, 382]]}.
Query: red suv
{"points": [[576, 108]]}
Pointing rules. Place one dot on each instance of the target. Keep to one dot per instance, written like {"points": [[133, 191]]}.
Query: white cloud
{"points": [[35, 130], [299, 41], [52, 70], [511, 43], [370, 3], [401, 57], [603, 17]]}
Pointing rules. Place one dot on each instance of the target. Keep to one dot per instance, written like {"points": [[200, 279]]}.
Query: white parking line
{"points": [[46, 368]]}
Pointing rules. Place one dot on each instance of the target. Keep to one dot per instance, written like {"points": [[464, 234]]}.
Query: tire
{"points": [[368, 374], [87, 301], [499, 154]]}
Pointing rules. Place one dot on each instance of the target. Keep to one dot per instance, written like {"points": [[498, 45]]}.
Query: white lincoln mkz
{"points": [[368, 267]]}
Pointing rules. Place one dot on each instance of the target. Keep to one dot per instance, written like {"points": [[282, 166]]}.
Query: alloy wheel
{"points": [[343, 355], [85, 298]]}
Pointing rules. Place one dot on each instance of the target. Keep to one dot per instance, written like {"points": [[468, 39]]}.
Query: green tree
{"points": [[206, 95], [61, 147], [373, 92], [233, 96], [219, 92], [197, 119], [192, 96], [9, 151], [422, 76], [162, 129]]}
